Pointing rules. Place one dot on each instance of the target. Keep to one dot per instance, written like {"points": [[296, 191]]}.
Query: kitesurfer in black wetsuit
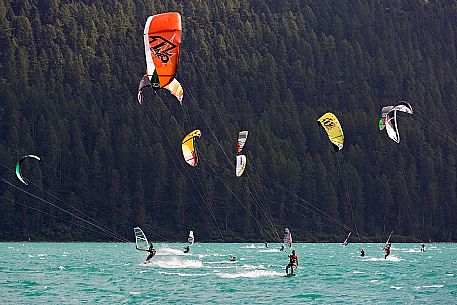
{"points": [[187, 249], [362, 253]]}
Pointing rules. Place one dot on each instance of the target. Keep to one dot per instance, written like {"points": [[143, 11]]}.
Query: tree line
{"points": [[69, 72]]}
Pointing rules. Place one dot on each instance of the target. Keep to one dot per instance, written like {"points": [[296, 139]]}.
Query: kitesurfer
{"points": [[187, 249], [282, 247], [266, 245], [362, 253], [345, 243], [387, 248], [422, 247], [232, 258], [151, 251], [293, 262]]}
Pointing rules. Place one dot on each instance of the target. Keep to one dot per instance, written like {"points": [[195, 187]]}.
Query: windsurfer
{"points": [[387, 248], [151, 251]]}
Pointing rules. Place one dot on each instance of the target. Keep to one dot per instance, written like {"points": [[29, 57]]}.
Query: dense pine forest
{"points": [[69, 73]]}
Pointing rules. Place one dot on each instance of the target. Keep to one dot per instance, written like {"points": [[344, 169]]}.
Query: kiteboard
{"points": [[290, 274]]}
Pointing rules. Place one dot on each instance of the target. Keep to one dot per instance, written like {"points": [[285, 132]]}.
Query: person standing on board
{"points": [[387, 248], [293, 262], [422, 247], [187, 249], [362, 252], [151, 251]]}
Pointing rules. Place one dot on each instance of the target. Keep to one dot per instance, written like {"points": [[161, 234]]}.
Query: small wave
{"points": [[450, 274], [170, 251], [247, 266], [222, 262], [251, 274], [269, 250], [382, 259], [312, 296], [61, 267], [396, 287], [183, 274], [252, 246], [218, 267], [357, 272], [134, 292], [410, 250], [174, 263], [429, 286], [374, 281], [41, 255]]}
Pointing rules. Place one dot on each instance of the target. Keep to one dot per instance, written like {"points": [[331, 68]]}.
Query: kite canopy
{"points": [[18, 166], [287, 237], [144, 83], [389, 119], [242, 137], [188, 149], [383, 119], [240, 165], [333, 128], [162, 41], [175, 88]]}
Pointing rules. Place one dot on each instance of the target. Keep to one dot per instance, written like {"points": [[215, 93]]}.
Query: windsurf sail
{"points": [[18, 167], [346, 240], [140, 239], [287, 240], [190, 239], [242, 138], [388, 239], [240, 165], [333, 128]]}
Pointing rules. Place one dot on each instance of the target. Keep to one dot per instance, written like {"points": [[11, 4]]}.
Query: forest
{"points": [[69, 73]]}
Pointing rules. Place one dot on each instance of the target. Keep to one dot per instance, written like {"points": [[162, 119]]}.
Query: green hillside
{"points": [[69, 71]]}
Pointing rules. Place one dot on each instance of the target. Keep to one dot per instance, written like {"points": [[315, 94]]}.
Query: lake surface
{"points": [[114, 273]]}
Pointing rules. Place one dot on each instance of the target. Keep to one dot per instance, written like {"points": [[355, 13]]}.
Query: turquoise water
{"points": [[110, 273]]}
